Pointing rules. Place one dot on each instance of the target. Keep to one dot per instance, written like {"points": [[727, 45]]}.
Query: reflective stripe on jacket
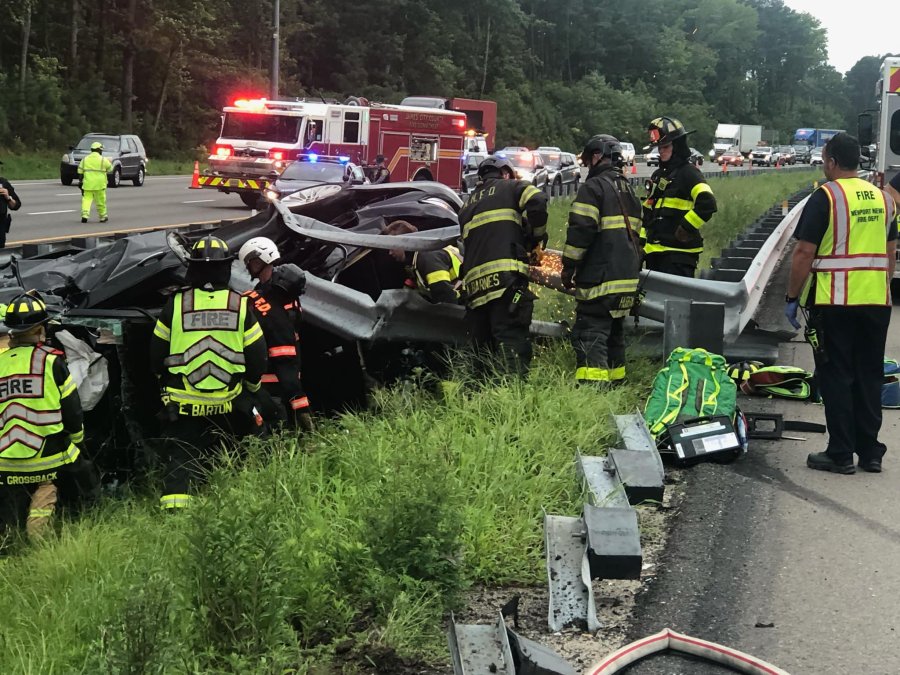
{"points": [[851, 264], [31, 412], [437, 273], [206, 346], [680, 196], [93, 169], [498, 239], [599, 249]]}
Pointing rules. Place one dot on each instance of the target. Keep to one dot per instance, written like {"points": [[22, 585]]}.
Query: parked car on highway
{"points": [[802, 153], [653, 157], [514, 148], [761, 156], [784, 154], [311, 174], [731, 158], [125, 152], [529, 167], [563, 172], [471, 162], [816, 157], [627, 152]]}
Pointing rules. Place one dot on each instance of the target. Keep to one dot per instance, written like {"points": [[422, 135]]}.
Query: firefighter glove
{"points": [[568, 278], [791, 308]]}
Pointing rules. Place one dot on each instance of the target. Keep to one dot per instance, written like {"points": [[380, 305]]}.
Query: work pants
{"points": [[850, 380], [191, 445], [599, 343], [500, 334], [674, 262], [87, 197]]}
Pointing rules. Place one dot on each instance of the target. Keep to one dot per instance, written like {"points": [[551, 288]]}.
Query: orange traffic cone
{"points": [[195, 179], [724, 167], [633, 168], [778, 164]]}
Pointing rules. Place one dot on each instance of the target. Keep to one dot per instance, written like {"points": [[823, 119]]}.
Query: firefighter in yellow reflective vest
{"points": [[679, 204], [41, 420], [503, 224], [93, 169], [207, 348], [435, 274], [841, 270], [601, 261]]}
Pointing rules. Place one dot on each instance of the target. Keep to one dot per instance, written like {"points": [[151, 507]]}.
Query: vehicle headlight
{"points": [[65, 159], [271, 195], [712, 153]]}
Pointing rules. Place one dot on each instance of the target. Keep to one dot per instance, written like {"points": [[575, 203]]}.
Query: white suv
{"points": [[627, 153]]}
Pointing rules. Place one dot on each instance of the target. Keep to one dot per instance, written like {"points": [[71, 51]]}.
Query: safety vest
{"points": [[207, 346], [31, 412], [851, 263], [450, 275], [94, 168]]}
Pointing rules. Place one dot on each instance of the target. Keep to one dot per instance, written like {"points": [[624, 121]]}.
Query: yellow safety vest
{"points": [[93, 169], [207, 346], [851, 263], [451, 275], [31, 412]]}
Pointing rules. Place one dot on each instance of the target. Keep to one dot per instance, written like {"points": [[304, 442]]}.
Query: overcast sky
{"points": [[856, 29]]}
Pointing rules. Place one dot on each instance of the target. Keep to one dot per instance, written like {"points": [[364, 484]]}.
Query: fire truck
{"points": [[882, 126], [259, 138]]}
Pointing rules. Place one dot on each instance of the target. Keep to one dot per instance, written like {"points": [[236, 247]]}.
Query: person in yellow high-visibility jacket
{"points": [[93, 169]]}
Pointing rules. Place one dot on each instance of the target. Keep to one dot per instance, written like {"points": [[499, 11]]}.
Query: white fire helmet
{"points": [[259, 247]]}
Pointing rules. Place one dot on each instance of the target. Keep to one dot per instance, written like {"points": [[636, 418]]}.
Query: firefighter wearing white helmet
{"points": [[276, 302]]}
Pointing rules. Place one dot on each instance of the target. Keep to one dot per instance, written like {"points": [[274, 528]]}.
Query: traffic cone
{"points": [[724, 167], [633, 168], [778, 164], [195, 179]]}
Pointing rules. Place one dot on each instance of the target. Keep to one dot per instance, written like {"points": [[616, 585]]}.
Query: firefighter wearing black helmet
{"points": [[207, 349], [503, 223], [680, 202], [601, 262], [41, 427]]}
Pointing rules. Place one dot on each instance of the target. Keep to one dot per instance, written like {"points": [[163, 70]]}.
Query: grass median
{"points": [[17, 167]]}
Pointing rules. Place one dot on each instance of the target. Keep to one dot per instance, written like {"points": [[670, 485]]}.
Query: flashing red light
{"points": [[279, 154], [461, 123], [250, 103], [223, 151]]}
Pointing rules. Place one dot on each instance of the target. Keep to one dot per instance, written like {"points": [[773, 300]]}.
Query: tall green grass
{"points": [[362, 536]]}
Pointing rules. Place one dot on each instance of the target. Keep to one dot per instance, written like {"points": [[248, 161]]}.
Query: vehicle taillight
{"points": [[223, 151], [461, 123], [279, 154]]}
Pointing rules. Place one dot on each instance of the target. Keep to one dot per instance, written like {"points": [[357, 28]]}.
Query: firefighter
{"points": [[435, 274], [601, 261], [276, 302], [380, 174], [207, 348], [503, 225], [679, 203], [93, 169], [841, 270], [41, 422]]}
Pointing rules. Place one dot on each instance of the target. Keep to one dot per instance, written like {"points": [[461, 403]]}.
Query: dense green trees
{"points": [[559, 69]]}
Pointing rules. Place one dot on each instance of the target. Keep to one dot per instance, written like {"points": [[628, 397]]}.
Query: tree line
{"points": [[560, 70]]}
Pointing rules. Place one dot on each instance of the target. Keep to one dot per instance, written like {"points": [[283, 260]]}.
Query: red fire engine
{"points": [[259, 137]]}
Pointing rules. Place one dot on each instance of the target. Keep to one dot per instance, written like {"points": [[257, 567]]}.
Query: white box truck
{"points": [[741, 137]]}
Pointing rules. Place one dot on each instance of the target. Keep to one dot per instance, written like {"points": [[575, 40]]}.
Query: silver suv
{"points": [[125, 152]]}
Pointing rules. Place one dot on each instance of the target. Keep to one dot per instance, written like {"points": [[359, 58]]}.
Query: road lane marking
{"points": [[47, 213], [198, 201], [108, 233], [67, 194]]}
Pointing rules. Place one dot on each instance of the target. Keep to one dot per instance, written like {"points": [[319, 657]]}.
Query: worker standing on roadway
{"points": [[679, 203], [276, 302], [207, 346], [9, 201], [435, 274], [93, 169], [841, 270], [41, 422], [381, 174], [503, 224], [601, 261]]}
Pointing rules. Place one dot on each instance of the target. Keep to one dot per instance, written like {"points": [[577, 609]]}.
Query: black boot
{"points": [[822, 461]]}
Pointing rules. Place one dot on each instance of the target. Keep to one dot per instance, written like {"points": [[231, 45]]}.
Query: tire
{"points": [[250, 199], [139, 179], [66, 180], [116, 178]]}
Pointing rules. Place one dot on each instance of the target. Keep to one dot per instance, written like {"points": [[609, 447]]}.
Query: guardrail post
{"points": [[694, 324], [32, 250], [85, 242]]}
